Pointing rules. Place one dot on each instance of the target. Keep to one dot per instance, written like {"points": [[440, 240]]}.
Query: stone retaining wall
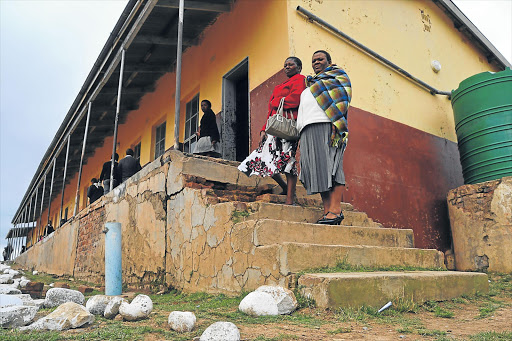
{"points": [[178, 221], [481, 223]]}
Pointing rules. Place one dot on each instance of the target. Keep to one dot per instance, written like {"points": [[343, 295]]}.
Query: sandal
{"points": [[331, 221]]}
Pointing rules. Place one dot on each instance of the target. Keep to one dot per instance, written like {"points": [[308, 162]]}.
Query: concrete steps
{"points": [[306, 214], [281, 241], [297, 257], [342, 290], [268, 232]]}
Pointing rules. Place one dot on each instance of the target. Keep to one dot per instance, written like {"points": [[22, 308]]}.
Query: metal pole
{"points": [[118, 108], [29, 220], [41, 230], [177, 98], [34, 230], [15, 241], [64, 181], [82, 160], [51, 190]]}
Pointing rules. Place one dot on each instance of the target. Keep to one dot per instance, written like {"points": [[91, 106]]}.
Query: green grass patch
{"points": [[238, 216], [340, 330], [489, 308], [491, 336], [280, 337], [343, 266]]}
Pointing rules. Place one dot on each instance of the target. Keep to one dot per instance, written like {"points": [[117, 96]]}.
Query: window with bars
{"points": [[159, 140], [191, 123], [136, 151]]}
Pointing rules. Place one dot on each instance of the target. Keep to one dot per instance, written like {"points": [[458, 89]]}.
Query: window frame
{"points": [[160, 140], [191, 123]]}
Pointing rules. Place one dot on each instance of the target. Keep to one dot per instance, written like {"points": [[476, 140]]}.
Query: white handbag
{"points": [[282, 124]]}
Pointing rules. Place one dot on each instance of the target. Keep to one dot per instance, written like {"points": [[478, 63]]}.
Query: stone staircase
{"points": [[286, 237]]}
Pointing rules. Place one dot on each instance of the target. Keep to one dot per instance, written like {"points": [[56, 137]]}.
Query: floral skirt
{"points": [[274, 156]]}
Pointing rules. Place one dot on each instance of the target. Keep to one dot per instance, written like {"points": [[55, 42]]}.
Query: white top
{"points": [[309, 111]]}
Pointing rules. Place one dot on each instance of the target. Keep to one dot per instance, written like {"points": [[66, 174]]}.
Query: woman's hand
{"points": [[263, 137]]}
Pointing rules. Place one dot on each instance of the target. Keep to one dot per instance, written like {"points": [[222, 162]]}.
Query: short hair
{"points": [[327, 55], [94, 180], [129, 151], [296, 60], [207, 102]]}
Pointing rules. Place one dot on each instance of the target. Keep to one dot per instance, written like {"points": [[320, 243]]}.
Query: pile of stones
{"points": [[18, 310]]}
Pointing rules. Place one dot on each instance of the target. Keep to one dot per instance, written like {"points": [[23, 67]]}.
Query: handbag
{"points": [[279, 125]]}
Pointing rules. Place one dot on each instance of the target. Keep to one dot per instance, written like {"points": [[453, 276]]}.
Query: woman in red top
{"points": [[275, 155]]}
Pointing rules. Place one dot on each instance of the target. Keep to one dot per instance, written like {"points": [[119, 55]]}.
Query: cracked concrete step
{"points": [[268, 232], [355, 289], [297, 257], [307, 214], [312, 200]]}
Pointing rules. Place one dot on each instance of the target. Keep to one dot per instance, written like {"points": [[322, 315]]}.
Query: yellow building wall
{"points": [[397, 30], [256, 30]]}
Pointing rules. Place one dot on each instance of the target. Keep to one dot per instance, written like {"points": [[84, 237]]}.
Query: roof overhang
{"points": [[464, 25], [147, 29]]}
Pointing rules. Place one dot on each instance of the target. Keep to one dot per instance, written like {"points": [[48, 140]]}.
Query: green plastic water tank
{"points": [[482, 106]]}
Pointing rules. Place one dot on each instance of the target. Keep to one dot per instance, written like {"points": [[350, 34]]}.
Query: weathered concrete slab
{"points": [[296, 257], [355, 289], [269, 231]]}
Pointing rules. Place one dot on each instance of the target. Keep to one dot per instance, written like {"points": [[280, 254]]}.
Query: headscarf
{"points": [[333, 92]]}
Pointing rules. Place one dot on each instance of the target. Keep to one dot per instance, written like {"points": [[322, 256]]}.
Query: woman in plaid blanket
{"points": [[322, 122]]}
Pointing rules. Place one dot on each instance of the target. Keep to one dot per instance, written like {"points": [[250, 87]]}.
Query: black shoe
{"points": [[331, 221]]}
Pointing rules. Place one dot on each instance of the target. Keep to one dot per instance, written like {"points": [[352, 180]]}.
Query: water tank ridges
{"points": [[482, 107]]}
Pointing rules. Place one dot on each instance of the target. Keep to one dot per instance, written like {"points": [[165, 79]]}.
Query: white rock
{"points": [[66, 316], [97, 304], [17, 316], [16, 283], [182, 321], [27, 300], [51, 285], [3, 267], [13, 272], [35, 272], [57, 296], [285, 299], [140, 308], [112, 308], [259, 304], [9, 301], [6, 270], [221, 331], [24, 282], [6, 279], [7, 289]]}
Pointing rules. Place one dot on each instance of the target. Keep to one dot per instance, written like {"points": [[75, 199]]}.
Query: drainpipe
{"points": [[118, 108], [113, 259], [372, 53], [82, 159], [179, 50]]}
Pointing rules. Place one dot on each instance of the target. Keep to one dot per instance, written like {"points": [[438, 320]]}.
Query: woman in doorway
{"points": [[322, 122], [275, 155], [208, 143]]}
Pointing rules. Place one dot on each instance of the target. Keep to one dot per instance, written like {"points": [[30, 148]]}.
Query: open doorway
{"points": [[235, 109]]}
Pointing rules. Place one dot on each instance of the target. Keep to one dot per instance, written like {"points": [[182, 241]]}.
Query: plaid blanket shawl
{"points": [[333, 92]]}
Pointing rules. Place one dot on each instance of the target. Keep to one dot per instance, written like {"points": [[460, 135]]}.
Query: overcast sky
{"points": [[47, 48]]}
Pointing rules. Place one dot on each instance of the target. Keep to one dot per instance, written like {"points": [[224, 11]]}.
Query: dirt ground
{"points": [[464, 324]]}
